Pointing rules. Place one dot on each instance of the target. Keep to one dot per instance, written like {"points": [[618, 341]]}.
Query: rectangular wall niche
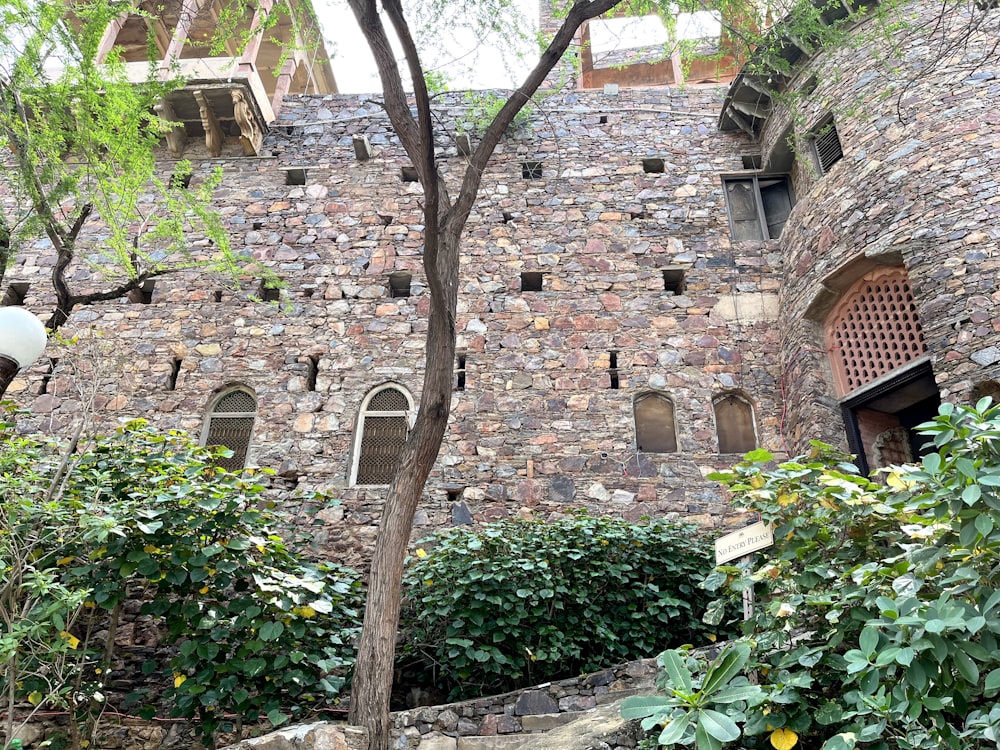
{"points": [[143, 294], [673, 280], [408, 174], [15, 294], [268, 291], [295, 176], [531, 170], [399, 284], [653, 165], [531, 281]]}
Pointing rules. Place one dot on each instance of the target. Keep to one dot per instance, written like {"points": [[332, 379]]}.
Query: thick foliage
{"points": [[878, 616], [518, 602], [257, 630]]}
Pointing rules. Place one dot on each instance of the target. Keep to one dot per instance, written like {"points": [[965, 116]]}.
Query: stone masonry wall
{"points": [[920, 132], [538, 429]]}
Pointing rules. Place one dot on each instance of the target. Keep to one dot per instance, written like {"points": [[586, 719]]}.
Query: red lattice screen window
{"points": [[874, 329]]}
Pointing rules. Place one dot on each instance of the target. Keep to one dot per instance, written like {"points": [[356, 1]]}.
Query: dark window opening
{"points": [[295, 176], [47, 377], [460, 359], [734, 424], [384, 426], [655, 430], [758, 206], [454, 494], [603, 119], [673, 280], [257, 225], [613, 370], [399, 284], [313, 372], [218, 295], [289, 130], [531, 281], [653, 165], [809, 86], [269, 291], [386, 219], [180, 180], [308, 291], [16, 293], [638, 215], [143, 294], [826, 144], [408, 174], [986, 388], [751, 161], [531, 170], [880, 421], [508, 217], [988, 4], [230, 424], [175, 370]]}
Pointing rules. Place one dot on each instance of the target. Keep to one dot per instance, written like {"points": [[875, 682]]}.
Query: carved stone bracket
{"points": [[175, 135], [251, 135], [213, 133]]}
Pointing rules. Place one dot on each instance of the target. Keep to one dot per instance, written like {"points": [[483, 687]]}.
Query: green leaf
{"points": [[725, 667], [704, 739], [842, 741], [992, 683], [271, 631], [641, 706], [966, 667], [749, 693], [674, 730], [718, 725], [676, 670], [276, 717], [868, 641]]}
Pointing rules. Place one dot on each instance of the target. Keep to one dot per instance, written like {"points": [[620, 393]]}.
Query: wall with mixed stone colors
{"points": [[538, 428], [920, 132]]}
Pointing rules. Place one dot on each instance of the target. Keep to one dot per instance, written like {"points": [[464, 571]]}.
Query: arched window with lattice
{"points": [[383, 424], [655, 429], [874, 329], [230, 421], [734, 423]]}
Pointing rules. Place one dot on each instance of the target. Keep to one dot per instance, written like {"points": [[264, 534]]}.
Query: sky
{"points": [[469, 63]]}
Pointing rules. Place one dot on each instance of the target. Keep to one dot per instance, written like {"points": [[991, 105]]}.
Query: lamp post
{"points": [[22, 340]]}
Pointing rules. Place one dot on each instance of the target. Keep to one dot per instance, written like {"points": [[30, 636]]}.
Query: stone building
{"points": [[654, 282]]}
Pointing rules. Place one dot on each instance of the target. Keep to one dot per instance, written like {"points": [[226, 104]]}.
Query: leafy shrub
{"points": [[878, 615], [519, 602], [258, 630]]}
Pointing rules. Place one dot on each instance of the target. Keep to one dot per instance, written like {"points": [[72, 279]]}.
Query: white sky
{"points": [[469, 63]]}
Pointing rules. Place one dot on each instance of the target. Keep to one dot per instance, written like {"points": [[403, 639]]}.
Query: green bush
{"points": [[520, 602], [877, 622], [258, 630]]}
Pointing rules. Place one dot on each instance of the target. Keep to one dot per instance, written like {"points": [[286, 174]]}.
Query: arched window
{"points": [[734, 424], [230, 423], [383, 423], [655, 431]]}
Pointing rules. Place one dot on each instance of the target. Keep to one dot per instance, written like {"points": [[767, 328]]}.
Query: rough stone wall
{"points": [[917, 184], [538, 428]]}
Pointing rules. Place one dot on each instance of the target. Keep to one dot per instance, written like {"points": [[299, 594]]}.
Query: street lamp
{"points": [[22, 339]]}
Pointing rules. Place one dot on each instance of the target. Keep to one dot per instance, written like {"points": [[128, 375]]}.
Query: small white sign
{"points": [[749, 539]]}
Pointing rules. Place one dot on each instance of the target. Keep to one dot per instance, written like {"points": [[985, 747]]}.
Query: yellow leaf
{"points": [[428, 582], [783, 739], [64, 561], [784, 500], [179, 679], [203, 590], [421, 554], [35, 698], [713, 637], [757, 481], [71, 639], [150, 549]]}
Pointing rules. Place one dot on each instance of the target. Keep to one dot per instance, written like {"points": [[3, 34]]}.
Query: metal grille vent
{"points": [[237, 401], [381, 444], [234, 433], [875, 330], [826, 144], [388, 400]]}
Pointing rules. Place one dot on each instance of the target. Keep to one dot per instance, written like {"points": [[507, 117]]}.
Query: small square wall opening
{"points": [[673, 280], [751, 161], [399, 283], [408, 174], [531, 281], [15, 294], [142, 294], [269, 291], [295, 176], [180, 180], [653, 165], [531, 170]]}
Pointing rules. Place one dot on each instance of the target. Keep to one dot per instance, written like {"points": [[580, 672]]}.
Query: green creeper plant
{"points": [[518, 602]]}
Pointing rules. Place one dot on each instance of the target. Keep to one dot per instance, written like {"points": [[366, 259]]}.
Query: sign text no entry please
{"points": [[748, 539]]}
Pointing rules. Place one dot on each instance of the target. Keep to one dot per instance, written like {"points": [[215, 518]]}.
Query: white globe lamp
{"points": [[22, 340]]}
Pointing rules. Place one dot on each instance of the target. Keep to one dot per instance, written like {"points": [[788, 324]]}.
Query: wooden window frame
{"points": [[212, 414], [755, 180]]}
